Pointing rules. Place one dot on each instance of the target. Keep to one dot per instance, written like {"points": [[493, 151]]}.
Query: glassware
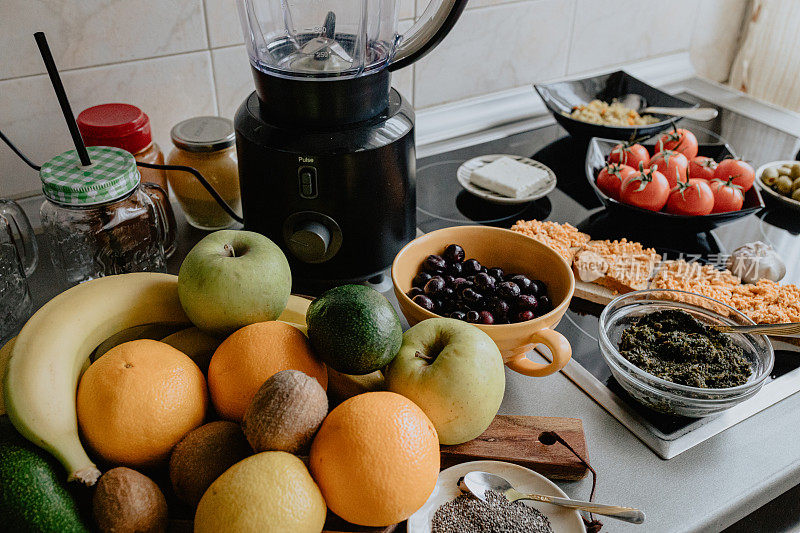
{"points": [[128, 127], [673, 398], [101, 220], [339, 38], [207, 145], [18, 258]]}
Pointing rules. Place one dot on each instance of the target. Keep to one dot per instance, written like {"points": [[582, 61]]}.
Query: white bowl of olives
{"points": [[781, 180]]}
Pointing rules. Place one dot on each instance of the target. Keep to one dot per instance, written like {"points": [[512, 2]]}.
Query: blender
{"points": [[326, 150]]}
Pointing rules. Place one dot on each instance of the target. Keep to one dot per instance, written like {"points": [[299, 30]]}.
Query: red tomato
{"points": [[648, 189], [736, 170], [680, 140], [673, 165], [727, 196], [610, 179], [691, 198], [702, 168], [632, 155]]}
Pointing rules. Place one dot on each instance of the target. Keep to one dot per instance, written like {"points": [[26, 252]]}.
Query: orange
{"points": [[138, 401], [375, 459], [250, 356]]}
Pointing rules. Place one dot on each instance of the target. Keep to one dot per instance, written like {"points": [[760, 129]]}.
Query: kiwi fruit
{"points": [[203, 455], [127, 501], [285, 413]]}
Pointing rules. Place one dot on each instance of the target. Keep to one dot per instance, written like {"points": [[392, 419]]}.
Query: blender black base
{"points": [[340, 202]]}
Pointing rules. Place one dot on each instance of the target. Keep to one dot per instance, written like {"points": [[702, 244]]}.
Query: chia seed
{"points": [[468, 514]]}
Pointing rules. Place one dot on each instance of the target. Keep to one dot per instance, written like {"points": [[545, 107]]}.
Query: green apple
{"points": [[454, 372], [233, 278]]}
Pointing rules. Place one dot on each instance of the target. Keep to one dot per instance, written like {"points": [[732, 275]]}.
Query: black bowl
{"points": [[597, 155], [561, 97]]}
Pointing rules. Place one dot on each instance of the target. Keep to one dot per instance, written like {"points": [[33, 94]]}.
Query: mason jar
{"points": [[100, 219]]}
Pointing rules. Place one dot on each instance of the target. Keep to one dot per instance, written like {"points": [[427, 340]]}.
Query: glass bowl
{"points": [[665, 396]]}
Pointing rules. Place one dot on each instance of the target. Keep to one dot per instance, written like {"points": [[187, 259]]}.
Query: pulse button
{"points": [[308, 182]]}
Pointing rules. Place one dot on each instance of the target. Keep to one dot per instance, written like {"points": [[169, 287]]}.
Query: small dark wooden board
{"points": [[515, 439]]}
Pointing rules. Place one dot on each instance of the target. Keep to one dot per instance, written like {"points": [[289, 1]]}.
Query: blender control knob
{"points": [[309, 242]]}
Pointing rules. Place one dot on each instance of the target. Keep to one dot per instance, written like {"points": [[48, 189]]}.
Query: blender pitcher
{"points": [[339, 38], [18, 258]]}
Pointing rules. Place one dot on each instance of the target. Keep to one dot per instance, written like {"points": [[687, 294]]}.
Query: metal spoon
{"points": [[639, 104], [479, 482], [789, 329]]}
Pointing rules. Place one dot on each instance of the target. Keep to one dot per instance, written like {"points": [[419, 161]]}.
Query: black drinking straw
{"points": [[61, 94]]}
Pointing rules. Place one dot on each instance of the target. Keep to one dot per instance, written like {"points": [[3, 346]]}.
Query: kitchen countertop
{"points": [[707, 488]]}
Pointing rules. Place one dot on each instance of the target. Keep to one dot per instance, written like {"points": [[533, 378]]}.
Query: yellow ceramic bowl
{"points": [[513, 252]]}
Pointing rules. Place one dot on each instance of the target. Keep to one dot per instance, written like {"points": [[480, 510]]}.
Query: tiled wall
{"points": [[182, 58]]}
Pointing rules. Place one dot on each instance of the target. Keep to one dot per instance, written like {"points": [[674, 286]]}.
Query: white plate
{"points": [[789, 202], [466, 169], [562, 520]]}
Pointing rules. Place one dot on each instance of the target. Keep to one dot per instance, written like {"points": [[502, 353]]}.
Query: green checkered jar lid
{"points": [[112, 175]]}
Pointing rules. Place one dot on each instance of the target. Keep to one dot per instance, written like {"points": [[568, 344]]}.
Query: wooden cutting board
{"points": [[515, 439]]}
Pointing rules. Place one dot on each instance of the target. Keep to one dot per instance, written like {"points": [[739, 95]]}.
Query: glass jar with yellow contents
{"points": [[206, 144]]}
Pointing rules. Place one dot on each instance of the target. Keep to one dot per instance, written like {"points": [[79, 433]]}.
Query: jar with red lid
{"points": [[128, 127]]}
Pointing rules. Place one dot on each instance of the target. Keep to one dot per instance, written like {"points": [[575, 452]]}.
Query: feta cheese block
{"points": [[509, 177]]}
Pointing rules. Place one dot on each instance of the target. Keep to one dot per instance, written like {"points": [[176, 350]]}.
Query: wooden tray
{"points": [[515, 439]]}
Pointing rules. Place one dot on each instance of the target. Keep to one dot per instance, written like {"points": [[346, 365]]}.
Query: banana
{"points": [[49, 352], [5, 355], [144, 331]]}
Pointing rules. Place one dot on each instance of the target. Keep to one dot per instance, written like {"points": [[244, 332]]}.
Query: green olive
{"points": [[785, 170], [783, 185], [796, 184], [795, 173], [768, 178], [796, 195]]}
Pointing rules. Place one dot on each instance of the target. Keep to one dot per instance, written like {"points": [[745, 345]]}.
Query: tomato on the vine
{"points": [[691, 198], [610, 179], [727, 196], [680, 140], [630, 154], [702, 168], [736, 170], [674, 166], [648, 189]]}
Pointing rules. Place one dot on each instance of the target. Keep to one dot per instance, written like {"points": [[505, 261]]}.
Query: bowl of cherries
{"points": [[512, 287]]}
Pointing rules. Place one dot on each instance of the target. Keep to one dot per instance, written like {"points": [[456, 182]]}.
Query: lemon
{"points": [[270, 492]]}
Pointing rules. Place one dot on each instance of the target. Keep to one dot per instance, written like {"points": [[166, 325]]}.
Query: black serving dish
{"points": [[562, 96], [597, 155]]}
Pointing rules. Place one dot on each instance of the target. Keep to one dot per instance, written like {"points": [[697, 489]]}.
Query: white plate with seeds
{"points": [[525, 480]]}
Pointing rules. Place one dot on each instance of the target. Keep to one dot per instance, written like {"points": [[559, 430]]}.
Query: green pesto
{"points": [[673, 345]]}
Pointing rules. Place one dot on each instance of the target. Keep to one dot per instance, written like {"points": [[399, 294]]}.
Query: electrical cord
{"points": [[194, 172], [19, 153]]}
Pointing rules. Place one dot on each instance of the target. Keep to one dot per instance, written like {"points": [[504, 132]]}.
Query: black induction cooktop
{"points": [[441, 202]]}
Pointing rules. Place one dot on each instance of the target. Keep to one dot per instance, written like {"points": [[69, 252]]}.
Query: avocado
{"points": [[354, 329], [33, 497]]}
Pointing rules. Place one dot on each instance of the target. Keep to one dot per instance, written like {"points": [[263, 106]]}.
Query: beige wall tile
{"points": [[168, 89], [224, 28], [716, 37], [93, 32], [612, 32], [232, 78], [484, 53]]}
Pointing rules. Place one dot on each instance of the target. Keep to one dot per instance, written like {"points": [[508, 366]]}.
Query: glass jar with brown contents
{"points": [[100, 219], [206, 144]]}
